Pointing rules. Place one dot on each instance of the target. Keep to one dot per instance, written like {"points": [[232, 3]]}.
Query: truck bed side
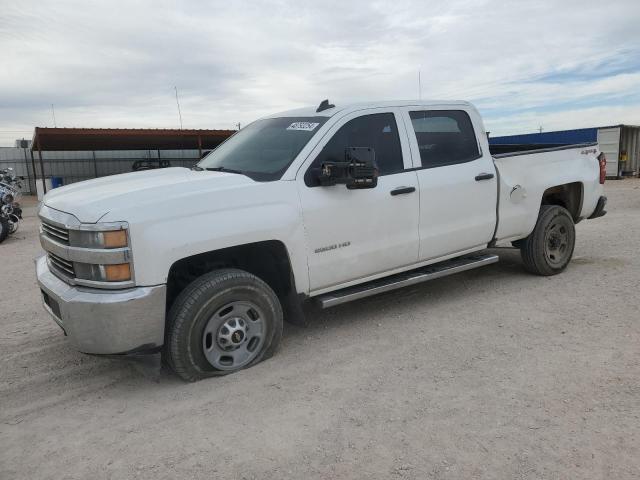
{"points": [[524, 177]]}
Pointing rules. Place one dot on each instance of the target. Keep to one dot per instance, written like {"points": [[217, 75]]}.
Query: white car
{"points": [[311, 206]]}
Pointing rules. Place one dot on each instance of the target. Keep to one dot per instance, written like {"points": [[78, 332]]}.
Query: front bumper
{"points": [[104, 321]]}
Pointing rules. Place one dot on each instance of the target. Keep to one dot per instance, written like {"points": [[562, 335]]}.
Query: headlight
{"points": [[98, 239], [120, 272], [91, 255]]}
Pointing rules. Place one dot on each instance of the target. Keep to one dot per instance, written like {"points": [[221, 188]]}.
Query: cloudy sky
{"points": [[556, 64]]}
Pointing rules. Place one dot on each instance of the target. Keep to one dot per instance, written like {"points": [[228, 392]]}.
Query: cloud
{"points": [[114, 64]]}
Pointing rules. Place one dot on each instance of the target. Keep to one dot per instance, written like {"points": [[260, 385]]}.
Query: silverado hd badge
{"points": [[332, 247]]}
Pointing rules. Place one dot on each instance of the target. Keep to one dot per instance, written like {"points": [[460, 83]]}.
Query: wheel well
{"points": [[267, 260], [568, 196]]}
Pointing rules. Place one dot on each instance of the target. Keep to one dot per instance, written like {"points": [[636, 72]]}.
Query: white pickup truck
{"points": [[311, 206]]}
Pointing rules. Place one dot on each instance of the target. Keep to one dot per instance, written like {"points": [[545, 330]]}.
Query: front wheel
{"points": [[549, 248], [222, 322]]}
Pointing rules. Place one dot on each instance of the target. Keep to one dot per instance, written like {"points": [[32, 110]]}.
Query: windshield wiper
{"points": [[224, 169]]}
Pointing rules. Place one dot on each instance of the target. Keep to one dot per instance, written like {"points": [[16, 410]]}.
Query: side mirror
{"points": [[359, 170]]}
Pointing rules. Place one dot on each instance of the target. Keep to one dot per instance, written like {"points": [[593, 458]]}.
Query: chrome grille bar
{"points": [[58, 233], [62, 264]]}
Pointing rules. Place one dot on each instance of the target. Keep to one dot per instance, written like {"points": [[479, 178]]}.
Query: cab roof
{"points": [[346, 108]]}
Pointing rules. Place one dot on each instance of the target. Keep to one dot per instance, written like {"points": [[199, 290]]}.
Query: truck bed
{"points": [[524, 176]]}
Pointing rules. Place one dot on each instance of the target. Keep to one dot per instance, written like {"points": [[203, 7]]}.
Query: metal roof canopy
{"points": [[92, 139], [66, 139]]}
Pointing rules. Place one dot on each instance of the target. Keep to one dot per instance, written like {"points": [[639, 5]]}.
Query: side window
{"points": [[445, 137], [379, 131]]}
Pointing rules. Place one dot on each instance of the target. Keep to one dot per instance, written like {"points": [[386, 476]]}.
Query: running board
{"points": [[404, 279]]}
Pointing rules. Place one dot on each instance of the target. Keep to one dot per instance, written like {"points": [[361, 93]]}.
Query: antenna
{"points": [[178, 103], [419, 86], [53, 113], [324, 105]]}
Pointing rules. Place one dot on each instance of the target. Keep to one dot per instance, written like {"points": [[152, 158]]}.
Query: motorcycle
{"points": [[10, 210]]}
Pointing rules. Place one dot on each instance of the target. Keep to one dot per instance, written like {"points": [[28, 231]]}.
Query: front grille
{"points": [[65, 267], [59, 234]]}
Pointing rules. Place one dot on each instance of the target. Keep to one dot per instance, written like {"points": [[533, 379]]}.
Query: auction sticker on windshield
{"points": [[306, 126]]}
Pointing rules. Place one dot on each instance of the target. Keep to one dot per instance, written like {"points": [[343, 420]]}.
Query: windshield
{"points": [[264, 149]]}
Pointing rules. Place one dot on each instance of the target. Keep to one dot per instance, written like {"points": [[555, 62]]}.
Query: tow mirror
{"points": [[359, 169]]}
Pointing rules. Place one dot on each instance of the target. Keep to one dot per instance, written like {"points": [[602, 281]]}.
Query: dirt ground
{"points": [[492, 373]]}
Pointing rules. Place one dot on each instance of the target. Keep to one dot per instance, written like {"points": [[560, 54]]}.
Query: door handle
{"points": [[402, 190], [484, 176]]}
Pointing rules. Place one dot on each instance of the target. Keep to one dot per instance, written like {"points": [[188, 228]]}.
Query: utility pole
{"points": [[419, 85], [53, 113], [540, 129], [178, 103], [238, 124]]}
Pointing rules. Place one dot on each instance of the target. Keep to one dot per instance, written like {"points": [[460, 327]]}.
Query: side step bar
{"points": [[404, 279]]}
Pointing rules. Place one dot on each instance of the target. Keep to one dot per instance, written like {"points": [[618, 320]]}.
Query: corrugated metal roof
{"points": [[66, 139]]}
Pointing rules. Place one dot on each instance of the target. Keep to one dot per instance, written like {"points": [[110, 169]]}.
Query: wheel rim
{"points": [[234, 335], [556, 243]]}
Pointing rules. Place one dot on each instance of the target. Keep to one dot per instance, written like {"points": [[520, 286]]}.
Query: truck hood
{"points": [[91, 200]]}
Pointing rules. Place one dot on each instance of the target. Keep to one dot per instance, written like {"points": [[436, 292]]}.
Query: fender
{"points": [[213, 220]]}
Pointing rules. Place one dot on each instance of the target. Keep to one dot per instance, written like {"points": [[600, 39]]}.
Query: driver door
{"points": [[353, 235]]}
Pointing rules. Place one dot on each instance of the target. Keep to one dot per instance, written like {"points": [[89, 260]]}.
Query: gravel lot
{"points": [[492, 373]]}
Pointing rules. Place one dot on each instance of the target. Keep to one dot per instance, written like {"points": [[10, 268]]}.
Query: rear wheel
{"points": [[223, 322], [549, 248]]}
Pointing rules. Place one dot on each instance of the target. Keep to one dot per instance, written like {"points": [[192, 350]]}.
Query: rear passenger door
{"points": [[458, 184], [356, 234]]}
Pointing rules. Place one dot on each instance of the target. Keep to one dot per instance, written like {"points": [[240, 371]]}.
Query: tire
{"points": [[13, 224], [4, 229], [549, 248], [222, 322]]}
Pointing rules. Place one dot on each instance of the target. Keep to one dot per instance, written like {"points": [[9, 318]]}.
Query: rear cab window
{"points": [[445, 137]]}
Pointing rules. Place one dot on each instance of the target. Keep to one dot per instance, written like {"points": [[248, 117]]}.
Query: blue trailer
{"points": [[620, 143]]}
